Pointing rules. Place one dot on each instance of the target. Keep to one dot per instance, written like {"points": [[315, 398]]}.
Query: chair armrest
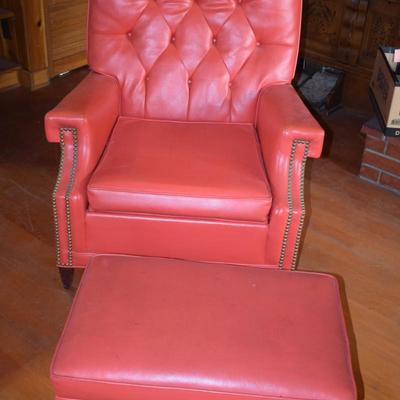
{"points": [[91, 109], [82, 123], [283, 121], [282, 117], [288, 134], [94, 103]]}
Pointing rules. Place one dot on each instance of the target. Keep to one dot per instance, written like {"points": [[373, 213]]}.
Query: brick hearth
{"points": [[381, 158]]}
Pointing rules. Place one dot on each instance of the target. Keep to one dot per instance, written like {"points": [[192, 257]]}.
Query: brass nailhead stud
{"points": [[74, 133], [295, 143]]}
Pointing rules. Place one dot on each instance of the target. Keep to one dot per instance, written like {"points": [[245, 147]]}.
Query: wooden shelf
{"points": [[8, 65], [9, 74], [5, 14]]}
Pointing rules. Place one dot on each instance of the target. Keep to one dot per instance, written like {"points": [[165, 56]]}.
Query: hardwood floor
{"points": [[353, 232]]}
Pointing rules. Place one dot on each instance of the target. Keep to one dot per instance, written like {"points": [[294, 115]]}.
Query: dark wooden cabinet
{"points": [[321, 31], [346, 34], [382, 27]]}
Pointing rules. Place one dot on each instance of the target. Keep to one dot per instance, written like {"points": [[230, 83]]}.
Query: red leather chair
{"points": [[186, 140]]}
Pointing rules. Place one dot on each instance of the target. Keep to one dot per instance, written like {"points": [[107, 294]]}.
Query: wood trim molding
{"points": [[34, 80], [35, 69]]}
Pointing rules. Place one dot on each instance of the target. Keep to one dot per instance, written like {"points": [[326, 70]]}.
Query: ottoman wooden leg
{"points": [[67, 275]]}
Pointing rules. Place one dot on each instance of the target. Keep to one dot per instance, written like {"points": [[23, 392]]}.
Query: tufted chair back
{"points": [[196, 60]]}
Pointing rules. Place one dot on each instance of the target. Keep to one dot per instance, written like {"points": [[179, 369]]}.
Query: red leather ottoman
{"points": [[157, 329]]}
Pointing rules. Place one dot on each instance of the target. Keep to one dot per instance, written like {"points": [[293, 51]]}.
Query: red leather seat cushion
{"points": [[209, 170], [166, 329]]}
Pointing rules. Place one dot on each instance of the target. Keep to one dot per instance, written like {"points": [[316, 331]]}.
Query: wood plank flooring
{"points": [[353, 232]]}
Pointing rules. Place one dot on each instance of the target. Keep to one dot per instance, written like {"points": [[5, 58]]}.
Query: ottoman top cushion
{"points": [[168, 329]]}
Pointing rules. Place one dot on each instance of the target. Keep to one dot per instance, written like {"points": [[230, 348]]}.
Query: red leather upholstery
{"points": [[92, 109], [176, 237], [198, 76], [286, 130], [167, 329], [182, 169], [202, 60]]}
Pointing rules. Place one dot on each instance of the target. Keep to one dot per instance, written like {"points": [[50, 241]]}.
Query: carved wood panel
{"points": [[334, 28], [382, 27], [322, 20], [346, 33], [351, 32]]}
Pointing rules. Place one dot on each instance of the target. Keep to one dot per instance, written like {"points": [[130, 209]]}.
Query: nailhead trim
{"points": [[290, 203], [73, 174], [54, 200], [302, 205], [71, 179]]}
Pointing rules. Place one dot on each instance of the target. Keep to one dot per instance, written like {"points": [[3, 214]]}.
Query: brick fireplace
{"points": [[380, 163]]}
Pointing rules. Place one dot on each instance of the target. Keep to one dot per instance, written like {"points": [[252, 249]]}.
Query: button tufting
{"points": [[218, 55]]}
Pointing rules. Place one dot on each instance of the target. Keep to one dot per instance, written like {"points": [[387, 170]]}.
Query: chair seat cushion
{"points": [[146, 328], [206, 170]]}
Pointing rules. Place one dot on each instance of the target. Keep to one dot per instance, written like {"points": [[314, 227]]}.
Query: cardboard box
{"points": [[385, 91]]}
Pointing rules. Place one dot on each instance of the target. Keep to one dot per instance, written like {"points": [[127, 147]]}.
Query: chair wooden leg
{"points": [[67, 276]]}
